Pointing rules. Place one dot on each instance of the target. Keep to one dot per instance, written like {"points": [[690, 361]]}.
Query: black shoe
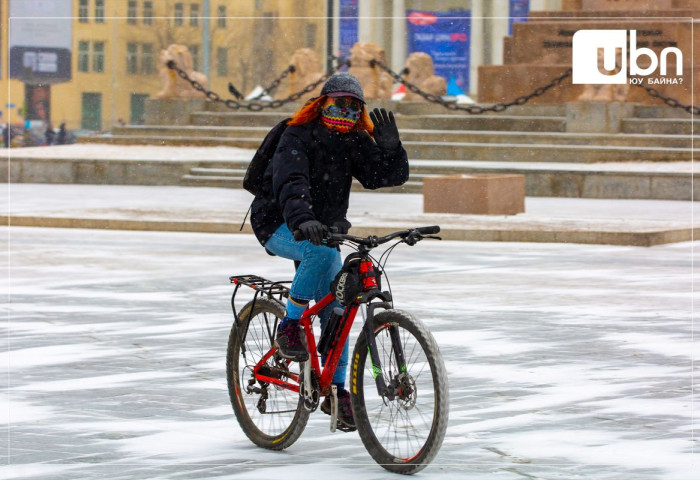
{"points": [[346, 421], [288, 342]]}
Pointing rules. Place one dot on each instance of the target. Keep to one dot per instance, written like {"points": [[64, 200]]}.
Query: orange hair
{"points": [[311, 110]]}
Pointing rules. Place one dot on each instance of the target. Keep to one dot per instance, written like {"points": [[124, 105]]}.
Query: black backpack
{"points": [[254, 175]]}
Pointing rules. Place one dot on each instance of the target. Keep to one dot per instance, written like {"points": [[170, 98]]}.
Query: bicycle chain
{"points": [[252, 106]]}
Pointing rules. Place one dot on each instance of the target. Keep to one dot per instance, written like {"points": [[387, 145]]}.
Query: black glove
{"points": [[386, 134], [313, 231], [342, 226]]}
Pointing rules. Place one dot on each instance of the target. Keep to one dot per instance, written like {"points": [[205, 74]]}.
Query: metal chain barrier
{"points": [[252, 106], [670, 101], [472, 109], [271, 88]]}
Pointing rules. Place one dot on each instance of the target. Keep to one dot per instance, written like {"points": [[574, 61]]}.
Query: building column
{"points": [[477, 44], [398, 35]]}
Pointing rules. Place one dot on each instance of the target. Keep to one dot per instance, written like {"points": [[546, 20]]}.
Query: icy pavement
{"points": [[565, 361]]}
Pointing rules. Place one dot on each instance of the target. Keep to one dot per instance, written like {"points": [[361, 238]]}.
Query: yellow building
{"points": [[116, 46]]}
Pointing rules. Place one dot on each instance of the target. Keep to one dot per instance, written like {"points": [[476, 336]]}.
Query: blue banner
{"points": [[445, 37], [518, 11], [347, 28]]}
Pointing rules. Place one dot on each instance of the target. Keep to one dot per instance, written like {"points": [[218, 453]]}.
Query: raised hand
{"points": [[386, 134]]}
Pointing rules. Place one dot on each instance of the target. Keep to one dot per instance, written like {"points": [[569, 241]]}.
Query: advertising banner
{"points": [[41, 36], [445, 37], [347, 28], [518, 10]]}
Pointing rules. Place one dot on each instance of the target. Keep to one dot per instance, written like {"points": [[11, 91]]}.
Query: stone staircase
{"points": [[530, 139]]}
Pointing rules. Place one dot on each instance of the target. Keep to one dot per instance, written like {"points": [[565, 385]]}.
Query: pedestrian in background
{"points": [[49, 134], [6, 136], [61, 137]]}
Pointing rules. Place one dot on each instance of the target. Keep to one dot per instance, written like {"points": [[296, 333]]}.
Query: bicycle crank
{"points": [[310, 390]]}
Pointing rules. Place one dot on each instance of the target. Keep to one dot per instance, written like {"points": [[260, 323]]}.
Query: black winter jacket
{"points": [[311, 172]]}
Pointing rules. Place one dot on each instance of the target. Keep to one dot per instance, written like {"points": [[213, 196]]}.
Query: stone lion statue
{"points": [[173, 85], [376, 83], [421, 73], [307, 70]]}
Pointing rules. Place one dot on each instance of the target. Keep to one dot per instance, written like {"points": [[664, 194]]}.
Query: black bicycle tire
{"points": [[439, 424], [271, 442]]}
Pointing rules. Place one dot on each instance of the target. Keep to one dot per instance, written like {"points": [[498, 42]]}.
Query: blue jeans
{"points": [[319, 266]]}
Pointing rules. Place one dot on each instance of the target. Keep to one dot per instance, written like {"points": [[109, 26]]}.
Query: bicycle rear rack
{"points": [[262, 285]]}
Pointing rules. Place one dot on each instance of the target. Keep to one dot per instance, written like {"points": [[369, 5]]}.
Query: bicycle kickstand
{"points": [[334, 407]]}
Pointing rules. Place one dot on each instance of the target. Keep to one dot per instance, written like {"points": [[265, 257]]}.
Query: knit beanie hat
{"points": [[343, 85]]}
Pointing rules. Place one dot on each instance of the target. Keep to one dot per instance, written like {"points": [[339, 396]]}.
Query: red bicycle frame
{"points": [[325, 374]]}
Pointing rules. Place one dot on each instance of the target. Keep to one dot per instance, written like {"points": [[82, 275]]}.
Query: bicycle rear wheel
{"points": [[402, 435], [272, 417]]}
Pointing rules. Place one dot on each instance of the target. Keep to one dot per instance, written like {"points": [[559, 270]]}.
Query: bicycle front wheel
{"points": [[271, 416], [402, 435]]}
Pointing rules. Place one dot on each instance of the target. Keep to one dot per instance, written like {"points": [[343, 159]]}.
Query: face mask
{"points": [[340, 119]]}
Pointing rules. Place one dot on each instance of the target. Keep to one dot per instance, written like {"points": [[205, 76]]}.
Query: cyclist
{"points": [[306, 187]]}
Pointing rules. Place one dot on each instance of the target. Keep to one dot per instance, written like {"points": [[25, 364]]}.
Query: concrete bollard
{"points": [[481, 194]]}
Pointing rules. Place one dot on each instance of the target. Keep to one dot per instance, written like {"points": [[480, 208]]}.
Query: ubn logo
{"points": [[600, 57]]}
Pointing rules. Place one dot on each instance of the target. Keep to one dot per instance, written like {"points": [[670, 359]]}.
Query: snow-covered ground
{"points": [[565, 361]]}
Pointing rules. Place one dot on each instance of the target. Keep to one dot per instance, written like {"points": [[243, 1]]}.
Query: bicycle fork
{"points": [[391, 391]]}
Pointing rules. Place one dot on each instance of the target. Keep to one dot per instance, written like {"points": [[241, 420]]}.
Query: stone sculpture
{"points": [[376, 83], [421, 73], [173, 85], [307, 70]]}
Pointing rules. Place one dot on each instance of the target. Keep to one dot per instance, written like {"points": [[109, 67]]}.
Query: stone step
{"points": [[660, 111], [559, 180], [414, 108], [219, 171], [211, 181], [247, 119], [660, 126], [160, 140], [452, 150], [223, 179], [553, 138], [543, 153], [520, 123]]}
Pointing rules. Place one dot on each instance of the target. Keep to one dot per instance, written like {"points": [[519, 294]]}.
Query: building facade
{"points": [[116, 47]]}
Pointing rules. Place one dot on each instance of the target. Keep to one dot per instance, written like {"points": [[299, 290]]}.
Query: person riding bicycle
{"points": [[306, 188]]}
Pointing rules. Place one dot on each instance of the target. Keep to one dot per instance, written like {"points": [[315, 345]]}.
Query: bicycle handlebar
{"points": [[411, 236]]}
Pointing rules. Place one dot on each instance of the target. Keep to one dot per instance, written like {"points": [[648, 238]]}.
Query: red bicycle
{"points": [[398, 384]]}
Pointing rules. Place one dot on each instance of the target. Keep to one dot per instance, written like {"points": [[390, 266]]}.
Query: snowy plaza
{"points": [[565, 361]]}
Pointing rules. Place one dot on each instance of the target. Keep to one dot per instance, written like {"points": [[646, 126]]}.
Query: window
{"points": [[98, 57], [83, 56], [222, 62], [83, 11], [131, 12], [100, 11], [221, 16], [194, 14], [147, 65], [179, 14], [194, 50], [148, 13], [132, 65]]}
